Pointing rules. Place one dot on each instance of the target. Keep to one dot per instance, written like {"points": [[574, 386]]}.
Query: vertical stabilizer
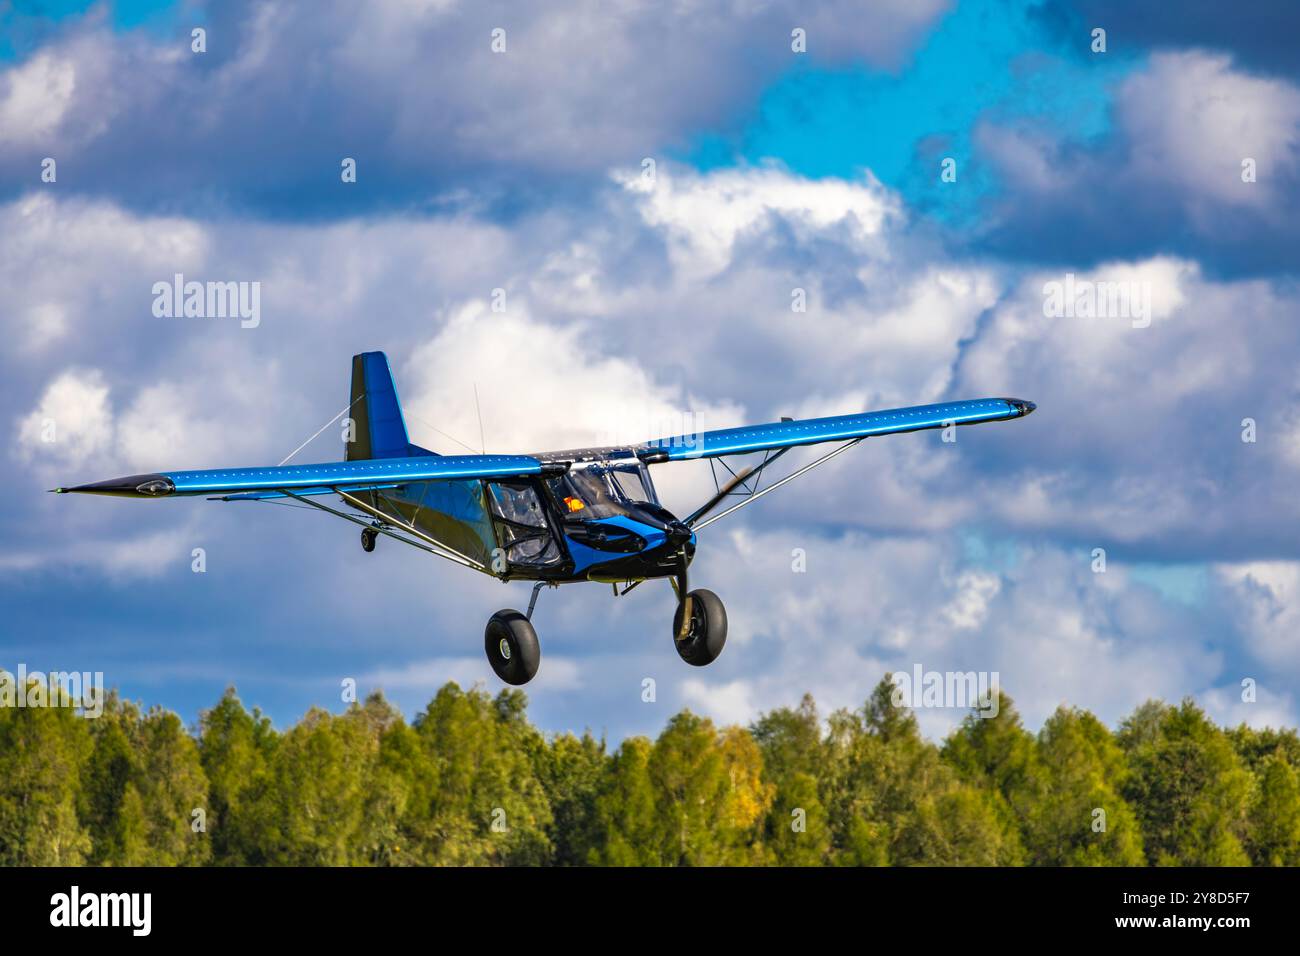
{"points": [[380, 428]]}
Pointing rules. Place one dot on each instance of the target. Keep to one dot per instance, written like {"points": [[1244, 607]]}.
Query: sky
{"points": [[648, 190]]}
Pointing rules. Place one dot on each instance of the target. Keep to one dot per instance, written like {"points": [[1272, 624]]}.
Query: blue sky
{"points": [[997, 60], [634, 305]]}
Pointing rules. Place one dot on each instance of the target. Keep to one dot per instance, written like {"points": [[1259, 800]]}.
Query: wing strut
{"points": [[444, 551], [738, 479], [754, 496], [383, 530]]}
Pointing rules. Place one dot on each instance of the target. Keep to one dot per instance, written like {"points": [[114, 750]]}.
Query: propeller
{"points": [[716, 500], [733, 484]]}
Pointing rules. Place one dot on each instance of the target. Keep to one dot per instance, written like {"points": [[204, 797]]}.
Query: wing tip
{"points": [[132, 486]]}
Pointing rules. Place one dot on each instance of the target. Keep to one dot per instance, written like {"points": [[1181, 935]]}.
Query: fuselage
{"points": [[598, 521]]}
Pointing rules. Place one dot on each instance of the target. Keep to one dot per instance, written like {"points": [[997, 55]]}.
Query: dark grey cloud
{"points": [[476, 174], [412, 91], [1137, 445], [663, 300], [1168, 179], [1258, 33]]}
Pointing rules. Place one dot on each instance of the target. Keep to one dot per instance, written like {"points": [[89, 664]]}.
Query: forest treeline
{"points": [[471, 782]]}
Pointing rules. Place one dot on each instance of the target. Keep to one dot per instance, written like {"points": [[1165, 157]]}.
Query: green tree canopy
{"points": [[1188, 786], [470, 781]]}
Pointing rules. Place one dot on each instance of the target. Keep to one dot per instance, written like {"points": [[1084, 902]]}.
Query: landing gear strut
{"points": [[700, 624], [511, 643]]}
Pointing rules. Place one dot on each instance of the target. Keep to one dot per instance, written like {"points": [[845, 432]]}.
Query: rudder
{"points": [[380, 430]]}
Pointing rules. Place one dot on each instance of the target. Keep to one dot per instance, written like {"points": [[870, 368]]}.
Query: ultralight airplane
{"points": [[556, 517]]}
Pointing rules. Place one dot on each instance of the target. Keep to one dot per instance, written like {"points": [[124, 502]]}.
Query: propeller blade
{"points": [[716, 500]]}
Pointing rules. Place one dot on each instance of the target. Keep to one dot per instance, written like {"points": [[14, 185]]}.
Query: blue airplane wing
{"points": [[321, 478], [811, 431]]}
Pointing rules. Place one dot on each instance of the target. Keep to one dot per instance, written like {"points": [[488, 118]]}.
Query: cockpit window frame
{"points": [[602, 495], [642, 474], [548, 531]]}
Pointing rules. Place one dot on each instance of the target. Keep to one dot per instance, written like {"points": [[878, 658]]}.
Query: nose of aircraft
{"points": [[677, 533]]}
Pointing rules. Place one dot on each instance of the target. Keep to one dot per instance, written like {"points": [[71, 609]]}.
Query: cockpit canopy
{"points": [[586, 492], [601, 489]]}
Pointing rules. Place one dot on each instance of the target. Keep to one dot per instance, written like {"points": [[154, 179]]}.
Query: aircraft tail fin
{"points": [[376, 410]]}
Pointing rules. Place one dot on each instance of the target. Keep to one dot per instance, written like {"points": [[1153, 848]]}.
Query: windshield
{"points": [[600, 489]]}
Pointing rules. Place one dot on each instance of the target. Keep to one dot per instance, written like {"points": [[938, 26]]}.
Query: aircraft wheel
{"points": [[707, 632], [512, 648], [368, 538]]}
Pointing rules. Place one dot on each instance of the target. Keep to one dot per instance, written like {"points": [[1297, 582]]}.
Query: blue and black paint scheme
{"points": [[812, 431], [588, 514]]}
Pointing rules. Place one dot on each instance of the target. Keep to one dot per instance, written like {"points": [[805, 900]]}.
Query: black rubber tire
{"points": [[708, 629], [368, 539], [524, 654]]}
